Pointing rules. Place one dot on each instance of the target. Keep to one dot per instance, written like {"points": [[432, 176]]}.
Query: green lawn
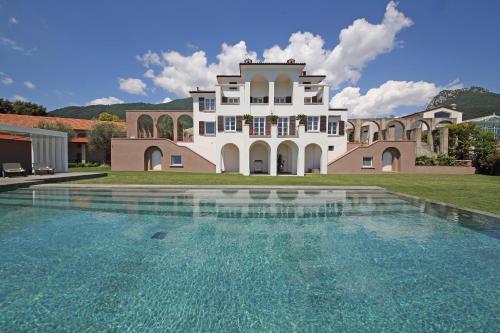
{"points": [[472, 191]]}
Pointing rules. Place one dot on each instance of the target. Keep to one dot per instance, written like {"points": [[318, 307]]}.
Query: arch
{"points": [[165, 127], [185, 128], [443, 123], [259, 89], [287, 156], [145, 126], [397, 128], [391, 160], [349, 130], [260, 157], [423, 126], [230, 158], [312, 160], [283, 89], [370, 131], [153, 157]]}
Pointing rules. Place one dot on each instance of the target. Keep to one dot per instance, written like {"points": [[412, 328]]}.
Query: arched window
{"points": [[165, 127], [185, 128], [145, 126]]}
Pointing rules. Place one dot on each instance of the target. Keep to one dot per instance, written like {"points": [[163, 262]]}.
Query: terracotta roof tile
{"points": [[13, 137]]}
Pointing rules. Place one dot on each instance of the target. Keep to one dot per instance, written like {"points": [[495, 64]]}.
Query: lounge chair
{"points": [[39, 168], [9, 168]]}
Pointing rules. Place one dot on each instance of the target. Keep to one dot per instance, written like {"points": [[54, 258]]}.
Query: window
{"points": [[283, 126], [257, 100], [307, 100], [229, 124], [233, 100], [176, 160], [333, 125], [313, 124], [209, 128], [233, 88], [307, 88], [331, 148], [259, 126], [209, 104], [280, 100], [368, 162]]}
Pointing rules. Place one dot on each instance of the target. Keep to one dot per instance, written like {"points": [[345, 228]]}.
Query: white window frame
{"points": [[258, 100], [367, 159], [259, 126], [232, 100], [333, 120], [283, 130], [280, 100], [209, 104], [208, 133], [172, 160], [313, 124], [229, 124]]}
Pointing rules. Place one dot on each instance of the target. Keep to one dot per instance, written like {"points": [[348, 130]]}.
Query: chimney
{"points": [[453, 106]]}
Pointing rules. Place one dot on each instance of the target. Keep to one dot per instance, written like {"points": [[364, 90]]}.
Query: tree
{"points": [[100, 137], [57, 126], [28, 108], [106, 116], [469, 142], [5, 106]]}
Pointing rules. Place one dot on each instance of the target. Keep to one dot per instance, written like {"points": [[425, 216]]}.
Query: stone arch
{"points": [[259, 89], [283, 89], [260, 157], [230, 158], [395, 130], [444, 123], [370, 131], [287, 157], [145, 126], [424, 127], [153, 157], [165, 127], [391, 160], [349, 130], [312, 160], [185, 128]]}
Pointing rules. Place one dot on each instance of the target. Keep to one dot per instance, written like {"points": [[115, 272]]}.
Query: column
{"points": [[430, 140], [65, 154], [174, 120], [300, 160], [443, 140], [84, 152], [245, 152], [271, 95], [273, 161], [391, 133], [33, 150], [324, 160], [357, 132], [52, 152], [46, 146]]}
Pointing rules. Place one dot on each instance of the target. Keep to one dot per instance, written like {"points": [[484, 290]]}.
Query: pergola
{"points": [[47, 147]]}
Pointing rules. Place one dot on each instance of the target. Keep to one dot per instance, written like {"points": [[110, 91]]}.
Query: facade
{"points": [[273, 118], [489, 124], [78, 150]]}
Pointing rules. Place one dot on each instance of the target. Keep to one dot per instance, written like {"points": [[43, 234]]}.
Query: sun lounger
{"points": [[12, 168], [39, 169]]}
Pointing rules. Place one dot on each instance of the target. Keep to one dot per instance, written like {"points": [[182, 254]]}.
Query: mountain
{"points": [[473, 102], [92, 111]]}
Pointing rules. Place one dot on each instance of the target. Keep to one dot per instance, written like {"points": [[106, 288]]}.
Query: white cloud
{"points": [[13, 45], [132, 86], [13, 20], [29, 85], [166, 100], [5, 79], [359, 43], [19, 98], [105, 101], [383, 100]]}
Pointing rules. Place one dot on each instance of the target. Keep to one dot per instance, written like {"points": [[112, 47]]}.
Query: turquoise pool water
{"points": [[243, 260]]}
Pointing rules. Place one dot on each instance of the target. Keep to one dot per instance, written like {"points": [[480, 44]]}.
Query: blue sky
{"points": [[394, 56]]}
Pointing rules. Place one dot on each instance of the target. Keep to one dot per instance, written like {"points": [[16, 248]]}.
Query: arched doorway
{"points": [[185, 128], [287, 158], [312, 158], [230, 158], [391, 160], [260, 155], [165, 127], [145, 126], [152, 159]]}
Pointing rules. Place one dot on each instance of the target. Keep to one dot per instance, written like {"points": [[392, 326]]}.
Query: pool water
{"points": [[244, 260]]}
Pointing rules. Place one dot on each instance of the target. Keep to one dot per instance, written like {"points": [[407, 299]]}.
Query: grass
{"points": [[471, 191]]}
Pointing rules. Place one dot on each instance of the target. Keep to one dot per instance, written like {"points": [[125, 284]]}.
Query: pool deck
{"points": [[11, 183], [215, 187]]}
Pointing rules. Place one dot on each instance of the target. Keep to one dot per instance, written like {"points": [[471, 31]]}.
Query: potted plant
{"points": [[274, 119], [247, 118], [302, 118]]}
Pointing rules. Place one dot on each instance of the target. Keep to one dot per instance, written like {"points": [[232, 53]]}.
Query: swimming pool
{"points": [[243, 260]]}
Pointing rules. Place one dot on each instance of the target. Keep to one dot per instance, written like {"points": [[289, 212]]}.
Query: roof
{"points": [[78, 140], [13, 137], [273, 63], [428, 110], [202, 92], [491, 116], [32, 121], [323, 76], [337, 109]]}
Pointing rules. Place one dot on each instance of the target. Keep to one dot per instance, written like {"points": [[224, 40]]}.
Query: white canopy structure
{"points": [[47, 147]]}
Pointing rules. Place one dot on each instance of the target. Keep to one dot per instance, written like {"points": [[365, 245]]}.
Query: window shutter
{"points": [[322, 124], [266, 99], [341, 127], [315, 99], [201, 103], [201, 128], [288, 99], [224, 99], [268, 125], [239, 123], [292, 125], [250, 128], [220, 124]]}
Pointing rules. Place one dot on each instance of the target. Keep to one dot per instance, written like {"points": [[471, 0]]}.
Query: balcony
{"points": [[287, 100], [259, 100]]}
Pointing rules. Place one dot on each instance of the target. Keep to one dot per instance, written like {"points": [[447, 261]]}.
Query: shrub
{"points": [[445, 160], [425, 161], [493, 162]]}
